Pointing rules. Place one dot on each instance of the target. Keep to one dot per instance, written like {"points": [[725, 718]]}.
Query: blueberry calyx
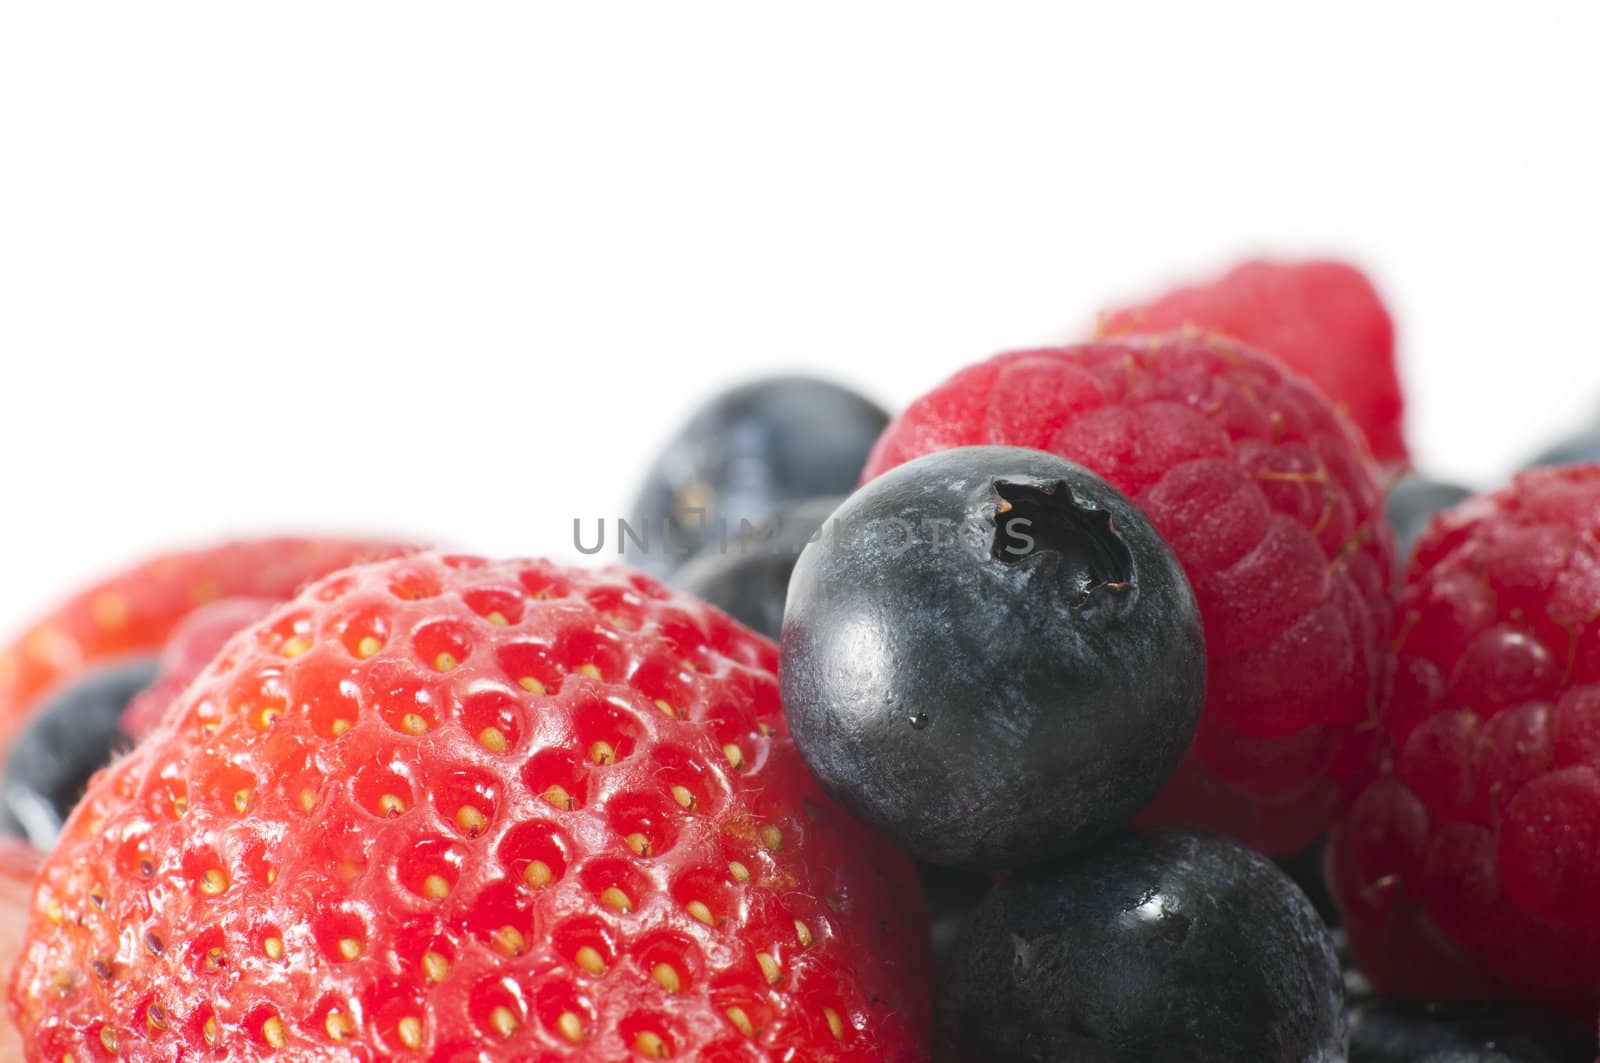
{"points": [[1035, 519]]}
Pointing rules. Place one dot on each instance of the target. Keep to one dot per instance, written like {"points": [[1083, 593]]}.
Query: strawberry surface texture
{"points": [[135, 611], [446, 808]]}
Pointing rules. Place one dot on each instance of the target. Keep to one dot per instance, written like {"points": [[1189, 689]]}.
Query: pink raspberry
{"points": [[1271, 502], [194, 643], [1470, 863], [1322, 319]]}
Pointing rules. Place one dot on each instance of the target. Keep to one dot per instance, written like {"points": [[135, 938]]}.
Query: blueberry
{"points": [[991, 657], [1307, 869], [1412, 502], [745, 453], [70, 736], [1357, 990], [1580, 447], [748, 576], [1389, 1031], [1147, 949], [951, 897]]}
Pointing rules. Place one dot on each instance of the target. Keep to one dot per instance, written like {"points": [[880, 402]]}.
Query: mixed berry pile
{"points": [[1127, 701]]}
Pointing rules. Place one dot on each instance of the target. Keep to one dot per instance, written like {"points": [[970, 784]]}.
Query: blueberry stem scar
{"points": [[1040, 516]]}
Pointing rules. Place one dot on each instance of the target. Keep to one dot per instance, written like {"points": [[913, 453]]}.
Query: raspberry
{"points": [[1470, 862], [452, 809], [197, 639], [1324, 320], [134, 611], [1272, 505]]}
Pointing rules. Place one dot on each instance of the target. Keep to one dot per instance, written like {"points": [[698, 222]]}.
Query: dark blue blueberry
{"points": [[70, 736], [951, 896], [1579, 447], [746, 453], [747, 577], [1407, 1032], [1412, 502], [1357, 990], [991, 657], [1165, 948], [1307, 869]]}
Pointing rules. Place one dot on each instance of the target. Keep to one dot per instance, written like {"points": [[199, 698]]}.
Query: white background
{"points": [[456, 270]]}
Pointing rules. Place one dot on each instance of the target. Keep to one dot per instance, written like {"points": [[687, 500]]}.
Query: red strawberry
{"points": [[135, 611], [1271, 503], [447, 808], [1324, 320], [18, 863]]}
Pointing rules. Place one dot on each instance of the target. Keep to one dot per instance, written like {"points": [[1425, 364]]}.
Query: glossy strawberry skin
{"points": [[18, 864], [438, 808], [135, 611]]}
